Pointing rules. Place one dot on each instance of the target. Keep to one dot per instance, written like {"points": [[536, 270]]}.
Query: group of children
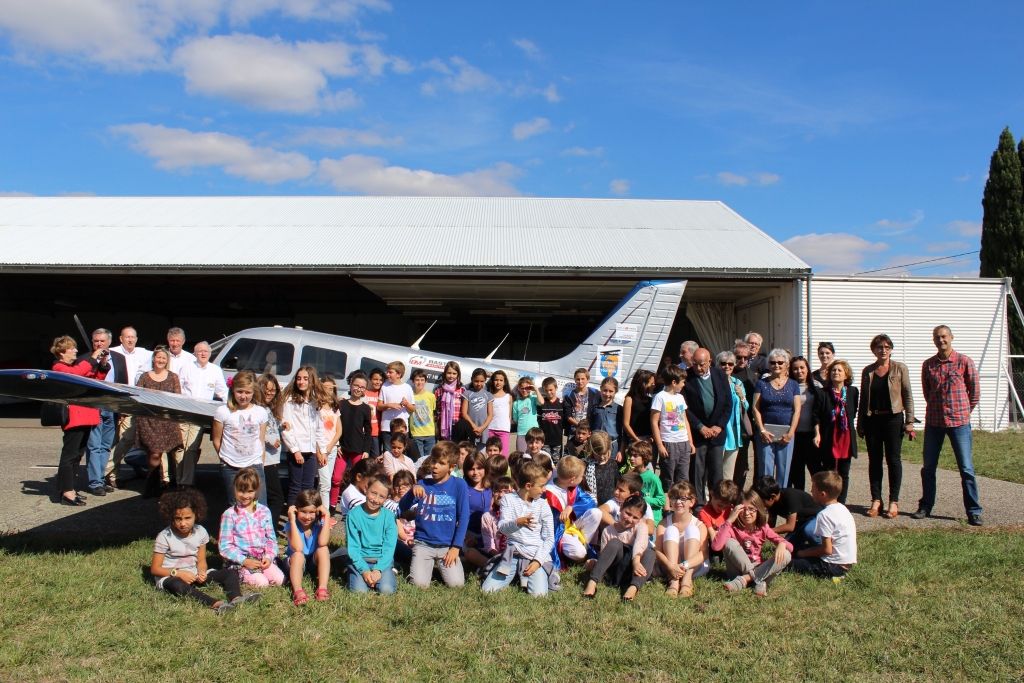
{"points": [[526, 514]]}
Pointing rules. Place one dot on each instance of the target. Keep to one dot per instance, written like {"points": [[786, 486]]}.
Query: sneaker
{"points": [[975, 520], [98, 490], [223, 608], [921, 514], [734, 586], [760, 588], [247, 599]]}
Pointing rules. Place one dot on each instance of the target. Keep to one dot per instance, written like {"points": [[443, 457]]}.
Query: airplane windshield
{"points": [[260, 356]]}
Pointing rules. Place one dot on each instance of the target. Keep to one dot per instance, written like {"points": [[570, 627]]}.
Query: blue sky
{"points": [[857, 133]]}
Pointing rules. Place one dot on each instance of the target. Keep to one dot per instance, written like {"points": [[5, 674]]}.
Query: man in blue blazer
{"points": [[708, 408]]}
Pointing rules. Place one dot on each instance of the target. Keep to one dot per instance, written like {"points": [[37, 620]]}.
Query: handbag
{"points": [[748, 429], [54, 414]]}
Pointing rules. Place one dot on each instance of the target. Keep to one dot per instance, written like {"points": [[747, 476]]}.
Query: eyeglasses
{"points": [[675, 498], [777, 362], [727, 363], [742, 358]]}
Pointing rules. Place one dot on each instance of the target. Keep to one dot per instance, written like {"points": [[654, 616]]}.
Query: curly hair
{"points": [[179, 500]]}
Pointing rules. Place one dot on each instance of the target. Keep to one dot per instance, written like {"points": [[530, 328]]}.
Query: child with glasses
{"points": [[681, 535]]}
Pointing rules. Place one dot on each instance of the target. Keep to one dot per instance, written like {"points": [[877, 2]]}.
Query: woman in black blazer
{"points": [[837, 417]]}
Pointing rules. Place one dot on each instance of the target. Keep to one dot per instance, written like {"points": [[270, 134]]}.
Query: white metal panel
{"points": [[849, 311], [384, 233]]}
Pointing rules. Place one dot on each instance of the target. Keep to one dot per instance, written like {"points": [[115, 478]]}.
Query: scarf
{"points": [[839, 409], [448, 408]]}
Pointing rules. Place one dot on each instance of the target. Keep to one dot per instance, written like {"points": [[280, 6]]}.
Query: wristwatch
{"points": [[174, 572]]}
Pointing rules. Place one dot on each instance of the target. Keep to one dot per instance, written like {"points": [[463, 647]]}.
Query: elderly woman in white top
{"points": [[726, 360]]}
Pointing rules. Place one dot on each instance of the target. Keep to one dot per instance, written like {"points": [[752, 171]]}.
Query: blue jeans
{"points": [[536, 583], [960, 440], [775, 459], [426, 444], [385, 586], [101, 440], [227, 474]]}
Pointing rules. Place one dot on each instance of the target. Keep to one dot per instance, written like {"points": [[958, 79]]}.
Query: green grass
{"points": [[922, 605], [997, 455]]}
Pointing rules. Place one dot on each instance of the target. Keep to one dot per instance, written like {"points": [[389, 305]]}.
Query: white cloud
{"points": [[551, 93], [527, 46], [583, 152], [15, 193], [528, 129], [268, 73], [463, 78], [177, 149], [834, 252], [964, 178], [965, 228], [134, 34], [619, 186], [726, 178], [372, 176], [897, 227], [343, 137]]}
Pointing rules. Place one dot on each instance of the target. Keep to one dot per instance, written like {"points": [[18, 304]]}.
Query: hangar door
{"points": [[757, 317]]}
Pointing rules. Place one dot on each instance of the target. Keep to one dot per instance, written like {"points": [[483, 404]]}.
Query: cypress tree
{"points": [[1002, 227]]}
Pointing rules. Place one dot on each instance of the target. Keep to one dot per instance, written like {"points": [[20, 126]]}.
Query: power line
{"points": [[915, 263], [936, 265]]}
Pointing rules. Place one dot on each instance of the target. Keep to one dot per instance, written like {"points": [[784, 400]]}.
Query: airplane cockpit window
{"points": [[260, 356], [326, 361], [368, 364]]}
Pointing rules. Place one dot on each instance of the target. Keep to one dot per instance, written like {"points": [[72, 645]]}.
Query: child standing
{"points": [[605, 415], [179, 554], [525, 410], [578, 401], [372, 397], [330, 414], [239, 432], [421, 422], [636, 410], [356, 431], [668, 425], [624, 551], [478, 407], [602, 471], [268, 395], [579, 444], [396, 400], [639, 461], [501, 409], [681, 535], [308, 534], [247, 540], [529, 533], [549, 418], [372, 535], [740, 540], [305, 439], [574, 511], [448, 398], [838, 550], [442, 519]]}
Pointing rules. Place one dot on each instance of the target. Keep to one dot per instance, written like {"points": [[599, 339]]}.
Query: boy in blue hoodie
{"points": [[442, 518]]}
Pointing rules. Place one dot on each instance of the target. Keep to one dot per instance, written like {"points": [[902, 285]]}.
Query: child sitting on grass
{"points": [[838, 550], [575, 512], [401, 483], [530, 535], [602, 471], [308, 535], [723, 498], [681, 535], [640, 454], [179, 554], [497, 466], [372, 536], [247, 540], [625, 551], [740, 540], [442, 519], [355, 481], [492, 540], [479, 489]]}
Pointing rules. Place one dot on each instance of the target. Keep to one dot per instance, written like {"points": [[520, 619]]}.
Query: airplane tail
{"points": [[632, 337]]}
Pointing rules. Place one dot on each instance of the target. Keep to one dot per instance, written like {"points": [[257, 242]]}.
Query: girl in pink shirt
{"points": [[740, 540]]}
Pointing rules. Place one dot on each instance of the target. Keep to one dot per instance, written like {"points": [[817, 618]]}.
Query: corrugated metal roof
{"points": [[386, 233]]}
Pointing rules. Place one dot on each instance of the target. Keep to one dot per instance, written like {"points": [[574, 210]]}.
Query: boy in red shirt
{"points": [[717, 511]]}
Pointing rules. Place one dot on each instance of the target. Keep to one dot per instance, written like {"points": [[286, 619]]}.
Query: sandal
{"points": [[686, 592], [673, 589], [300, 598], [875, 509], [322, 594], [893, 512]]}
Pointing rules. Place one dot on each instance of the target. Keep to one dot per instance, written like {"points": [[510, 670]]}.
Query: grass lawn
{"points": [[998, 455], [941, 605]]}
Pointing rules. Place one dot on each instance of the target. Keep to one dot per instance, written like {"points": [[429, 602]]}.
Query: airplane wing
{"points": [[62, 387]]}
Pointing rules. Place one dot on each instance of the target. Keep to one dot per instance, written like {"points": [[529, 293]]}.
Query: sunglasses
{"points": [[727, 363], [777, 362], [675, 498]]}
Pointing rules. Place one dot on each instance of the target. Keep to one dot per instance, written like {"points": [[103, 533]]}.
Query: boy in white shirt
{"points": [[396, 399], [669, 428], [838, 550]]}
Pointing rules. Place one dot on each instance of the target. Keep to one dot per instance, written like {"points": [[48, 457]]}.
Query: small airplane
{"points": [[630, 338]]}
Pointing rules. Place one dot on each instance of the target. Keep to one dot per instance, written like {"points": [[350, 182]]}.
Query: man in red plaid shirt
{"points": [[950, 383]]}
